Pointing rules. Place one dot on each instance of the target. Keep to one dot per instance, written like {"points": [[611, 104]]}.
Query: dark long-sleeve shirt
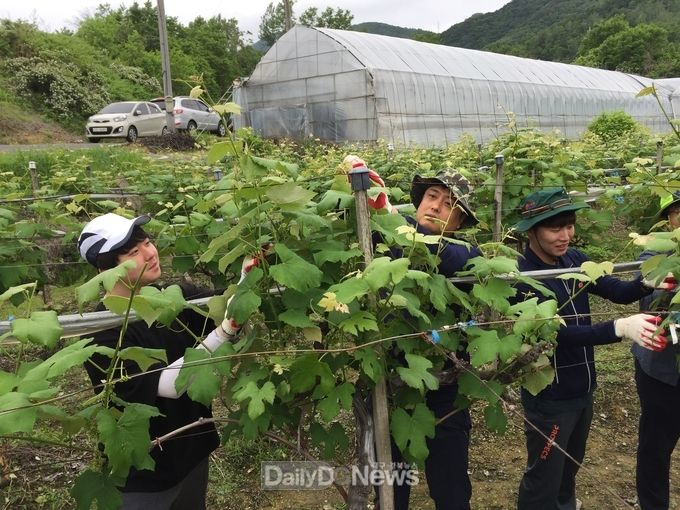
{"points": [[573, 359], [663, 365]]}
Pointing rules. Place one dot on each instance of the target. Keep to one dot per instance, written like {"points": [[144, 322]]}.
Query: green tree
{"points": [[329, 18], [642, 49], [601, 31], [273, 22]]}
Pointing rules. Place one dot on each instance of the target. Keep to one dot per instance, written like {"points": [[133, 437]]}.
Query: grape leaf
{"points": [[258, 395], [17, 414], [332, 439], [370, 364], [41, 328], [200, 380], [144, 357], [91, 486], [417, 375], [305, 372], [359, 321], [595, 270], [495, 418], [89, 291], [494, 293], [540, 376], [330, 404], [383, 270], [70, 356], [246, 301], [289, 195], [471, 386], [294, 271], [483, 345], [350, 289], [410, 430], [296, 318], [126, 439]]}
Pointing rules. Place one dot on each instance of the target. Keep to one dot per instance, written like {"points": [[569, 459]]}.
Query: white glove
{"points": [[668, 283], [642, 329]]}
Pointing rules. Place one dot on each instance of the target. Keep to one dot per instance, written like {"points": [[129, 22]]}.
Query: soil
{"points": [[39, 476], [606, 480]]}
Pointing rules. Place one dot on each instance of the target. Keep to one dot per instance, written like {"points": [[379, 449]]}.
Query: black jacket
{"points": [[573, 359], [180, 455]]}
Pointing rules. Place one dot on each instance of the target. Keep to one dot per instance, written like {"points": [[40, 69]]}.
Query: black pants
{"points": [[549, 481], [446, 466], [657, 436], [189, 494]]}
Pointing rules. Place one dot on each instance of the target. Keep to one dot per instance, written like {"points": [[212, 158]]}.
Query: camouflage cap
{"points": [[457, 184]]}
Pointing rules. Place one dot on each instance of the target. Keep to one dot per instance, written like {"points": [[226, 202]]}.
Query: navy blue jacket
{"points": [[453, 257], [663, 365], [573, 358]]}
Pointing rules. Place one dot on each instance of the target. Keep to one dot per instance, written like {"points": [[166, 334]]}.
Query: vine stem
{"points": [[217, 359], [108, 386], [203, 421], [511, 409]]}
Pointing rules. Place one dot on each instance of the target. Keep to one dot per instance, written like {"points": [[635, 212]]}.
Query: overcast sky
{"points": [[434, 15]]}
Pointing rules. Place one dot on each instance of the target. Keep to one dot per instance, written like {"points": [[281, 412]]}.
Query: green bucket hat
{"points": [[667, 201], [545, 204], [456, 183]]}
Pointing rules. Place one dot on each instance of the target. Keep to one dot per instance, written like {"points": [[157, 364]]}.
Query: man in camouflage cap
{"points": [[441, 202], [441, 208]]}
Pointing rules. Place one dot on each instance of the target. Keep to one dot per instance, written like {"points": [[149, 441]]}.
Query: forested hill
{"points": [[395, 31], [553, 29]]}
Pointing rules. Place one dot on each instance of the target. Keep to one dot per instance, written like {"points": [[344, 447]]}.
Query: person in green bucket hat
{"points": [[657, 381], [563, 411]]}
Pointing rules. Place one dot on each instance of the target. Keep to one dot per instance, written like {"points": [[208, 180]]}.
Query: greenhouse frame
{"points": [[339, 86]]}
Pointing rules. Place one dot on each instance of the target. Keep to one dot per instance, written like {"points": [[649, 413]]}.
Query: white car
{"points": [[193, 114], [126, 119]]}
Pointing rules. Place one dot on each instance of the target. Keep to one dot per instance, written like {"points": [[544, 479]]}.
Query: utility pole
{"points": [[165, 66], [288, 14]]}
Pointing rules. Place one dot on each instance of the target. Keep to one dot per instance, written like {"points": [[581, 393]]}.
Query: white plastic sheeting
{"points": [[339, 86]]}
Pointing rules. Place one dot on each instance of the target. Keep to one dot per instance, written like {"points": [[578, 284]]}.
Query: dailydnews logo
{"points": [[301, 475]]}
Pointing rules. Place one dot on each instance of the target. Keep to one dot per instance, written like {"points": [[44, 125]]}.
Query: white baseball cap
{"points": [[105, 234]]}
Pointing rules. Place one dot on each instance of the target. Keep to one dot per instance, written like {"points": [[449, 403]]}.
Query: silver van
{"points": [[193, 114]]}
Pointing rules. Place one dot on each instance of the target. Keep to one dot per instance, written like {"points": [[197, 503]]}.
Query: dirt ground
{"points": [[605, 482], [41, 475]]}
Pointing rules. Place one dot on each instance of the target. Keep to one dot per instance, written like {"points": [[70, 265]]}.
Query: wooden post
{"points": [[659, 156], [360, 183], [498, 199], [35, 184], [45, 246]]}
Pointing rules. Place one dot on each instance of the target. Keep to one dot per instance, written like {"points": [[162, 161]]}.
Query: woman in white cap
{"points": [[180, 476]]}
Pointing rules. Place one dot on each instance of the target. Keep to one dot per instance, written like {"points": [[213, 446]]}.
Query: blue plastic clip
{"points": [[464, 325], [435, 336]]}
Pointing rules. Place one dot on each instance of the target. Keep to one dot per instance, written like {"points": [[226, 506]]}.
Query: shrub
{"points": [[610, 126], [68, 91]]}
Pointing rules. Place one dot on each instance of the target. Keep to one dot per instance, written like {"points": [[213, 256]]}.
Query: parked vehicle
{"points": [[126, 119], [193, 114]]}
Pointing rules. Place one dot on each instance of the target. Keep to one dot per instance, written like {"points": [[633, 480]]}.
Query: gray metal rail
{"points": [[92, 322]]}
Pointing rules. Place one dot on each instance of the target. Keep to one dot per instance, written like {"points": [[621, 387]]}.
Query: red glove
{"points": [[229, 325], [380, 201], [660, 340]]}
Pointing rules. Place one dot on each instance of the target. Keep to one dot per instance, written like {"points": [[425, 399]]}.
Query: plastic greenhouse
{"points": [[339, 85]]}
